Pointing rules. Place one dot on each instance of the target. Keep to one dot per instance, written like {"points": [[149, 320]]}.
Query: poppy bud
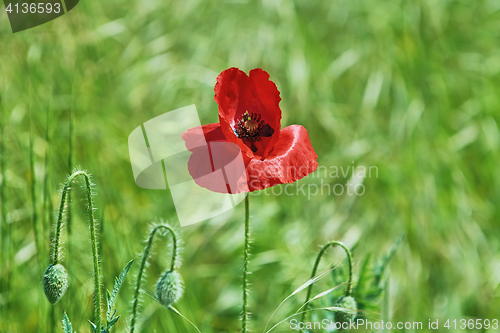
{"points": [[348, 311], [55, 282], [169, 288]]}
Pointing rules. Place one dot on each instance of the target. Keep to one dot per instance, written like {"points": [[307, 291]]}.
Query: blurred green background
{"points": [[411, 87]]}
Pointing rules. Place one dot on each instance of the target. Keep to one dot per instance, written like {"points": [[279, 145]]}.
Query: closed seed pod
{"points": [[55, 282], [348, 311], [169, 288]]}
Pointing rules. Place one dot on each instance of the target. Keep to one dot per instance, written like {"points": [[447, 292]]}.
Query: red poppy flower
{"points": [[250, 124]]}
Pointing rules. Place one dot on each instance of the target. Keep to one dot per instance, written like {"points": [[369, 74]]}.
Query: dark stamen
{"points": [[251, 127]]}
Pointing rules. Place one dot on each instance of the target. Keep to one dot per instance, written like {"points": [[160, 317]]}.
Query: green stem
{"points": [[47, 212], [70, 162], [246, 254], [34, 216], [6, 228], [143, 267], [93, 238], [33, 193], [69, 210], [315, 268], [385, 312], [45, 217]]}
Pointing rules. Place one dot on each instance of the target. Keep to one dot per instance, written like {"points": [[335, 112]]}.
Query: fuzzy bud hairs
{"points": [[169, 288], [55, 282]]}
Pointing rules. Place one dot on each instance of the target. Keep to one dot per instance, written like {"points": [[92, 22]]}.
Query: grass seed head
{"points": [[55, 282], [169, 288]]}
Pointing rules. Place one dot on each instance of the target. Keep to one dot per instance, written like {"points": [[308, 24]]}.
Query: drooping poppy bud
{"points": [[55, 282], [169, 288], [348, 311]]}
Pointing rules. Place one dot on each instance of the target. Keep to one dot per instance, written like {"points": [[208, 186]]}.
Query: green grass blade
{"points": [[174, 310], [299, 289]]}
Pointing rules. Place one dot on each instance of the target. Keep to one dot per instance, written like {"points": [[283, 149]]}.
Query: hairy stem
{"points": [[246, 254], [315, 268], [93, 237], [143, 267]]}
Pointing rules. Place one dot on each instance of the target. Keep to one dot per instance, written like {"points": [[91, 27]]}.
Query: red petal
{"points": [[292, 158], [235, 93]]}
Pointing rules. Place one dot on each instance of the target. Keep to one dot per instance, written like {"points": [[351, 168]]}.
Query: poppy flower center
{"points": [[252, 125], [251, 128]]}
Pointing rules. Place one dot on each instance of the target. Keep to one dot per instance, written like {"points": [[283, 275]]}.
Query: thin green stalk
{"points": [[386, 308], [34, 212], [52, 319], [3, 199], [70, 162], [93, 237], [246, 254], [46, 189], [143, 267], [71, 166], [45, 219], [315, 268], [33, 194]]}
